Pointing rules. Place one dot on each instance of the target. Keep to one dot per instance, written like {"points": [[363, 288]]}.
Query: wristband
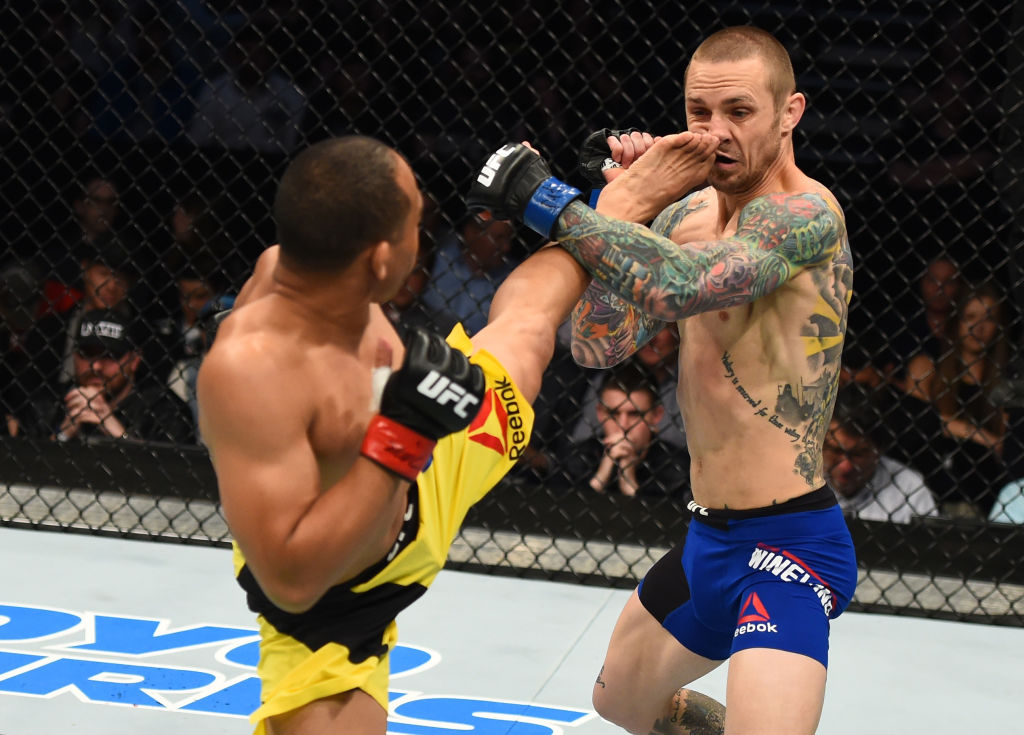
{"points": [[594, 194], [396, 447], [547, 202]]}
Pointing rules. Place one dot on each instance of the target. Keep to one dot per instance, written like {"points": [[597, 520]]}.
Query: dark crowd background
{"points": [[142, 142]]}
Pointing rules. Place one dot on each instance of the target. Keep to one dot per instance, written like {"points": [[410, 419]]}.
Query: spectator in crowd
{"points": [[105, 400], [198, 283], [199, 249], [960, 385], [1009, 504], [252, 106], [469, 265], [867, 483], [660, 357], [628, 456], [197, 230], [927, 331], [406, 309], [95, 210], [148, 95], [30, 341], [908, 429], [107, 276]]}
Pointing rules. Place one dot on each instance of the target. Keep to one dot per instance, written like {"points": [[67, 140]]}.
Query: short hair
{"points": [[631, 377], [744, 42], [857, 411], [337, 198]]}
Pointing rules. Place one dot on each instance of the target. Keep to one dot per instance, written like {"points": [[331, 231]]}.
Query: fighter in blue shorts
{"points": [[760, 578], [755, 268]]}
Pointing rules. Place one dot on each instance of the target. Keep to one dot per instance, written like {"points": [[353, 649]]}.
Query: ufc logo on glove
{"points": [[490, 169], [440, 389]]}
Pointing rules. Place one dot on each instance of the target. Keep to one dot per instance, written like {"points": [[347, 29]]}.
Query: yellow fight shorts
{"points": [[343, 642]]}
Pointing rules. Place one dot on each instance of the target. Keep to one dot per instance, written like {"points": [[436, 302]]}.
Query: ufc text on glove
{"points": [[516, 183]]}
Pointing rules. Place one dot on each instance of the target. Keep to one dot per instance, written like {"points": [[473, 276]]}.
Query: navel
{"points": [[723, 316]]}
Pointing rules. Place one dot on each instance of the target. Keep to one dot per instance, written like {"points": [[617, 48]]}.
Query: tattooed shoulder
{"points": [[801, 227], [672, 215]]}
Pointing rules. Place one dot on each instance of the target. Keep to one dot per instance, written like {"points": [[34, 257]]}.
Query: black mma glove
{"points": [[516, 183], [436, 392], [595, 156]]}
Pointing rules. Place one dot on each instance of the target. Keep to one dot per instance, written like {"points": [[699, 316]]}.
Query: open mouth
{"points": [[723, 160]]}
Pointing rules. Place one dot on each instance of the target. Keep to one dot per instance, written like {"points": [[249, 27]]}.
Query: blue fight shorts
{"points": [[761, 578]]}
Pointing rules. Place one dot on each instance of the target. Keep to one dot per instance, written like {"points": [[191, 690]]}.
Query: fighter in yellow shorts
{"points": [[342, 642], [338, 520]]}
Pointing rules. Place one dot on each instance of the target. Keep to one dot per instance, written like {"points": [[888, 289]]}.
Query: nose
{"points": [[719, 127]]}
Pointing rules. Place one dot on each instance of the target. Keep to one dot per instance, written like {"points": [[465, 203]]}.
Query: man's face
{"points": [[96, 367], [407, 242], [193, 294], [104, 287], [634, 416], [732, 100], [98, 209], [849, 460]]}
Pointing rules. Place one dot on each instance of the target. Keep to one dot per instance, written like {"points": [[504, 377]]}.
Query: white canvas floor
{"points": [[110, 636]]}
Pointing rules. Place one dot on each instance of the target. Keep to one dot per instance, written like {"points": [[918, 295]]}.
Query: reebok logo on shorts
{"points": [[498, 425], [490, 425], [754, 617]]}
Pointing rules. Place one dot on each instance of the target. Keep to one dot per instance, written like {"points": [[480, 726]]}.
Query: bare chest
{"points": [[340, 392]]}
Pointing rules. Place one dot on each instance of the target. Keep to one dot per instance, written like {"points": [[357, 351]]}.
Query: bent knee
{"points": [[620, 710]]}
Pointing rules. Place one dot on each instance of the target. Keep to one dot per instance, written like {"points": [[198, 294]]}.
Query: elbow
{"points": [[292, 596], [589, 355], [292, 600]]}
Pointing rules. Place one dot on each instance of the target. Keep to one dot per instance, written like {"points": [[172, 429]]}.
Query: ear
{"points": [[657, 414], [132, 364], [793, 111], [378, 258]]}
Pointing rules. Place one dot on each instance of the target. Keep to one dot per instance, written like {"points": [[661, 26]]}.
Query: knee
{"points": [[618, 710]]}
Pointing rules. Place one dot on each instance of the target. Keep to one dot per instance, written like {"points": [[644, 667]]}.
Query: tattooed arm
{"points": [[605, 328], [778, 235]]}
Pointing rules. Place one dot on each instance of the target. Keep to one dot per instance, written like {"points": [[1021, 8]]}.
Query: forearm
{"points": [[645, 270], [337, 535]]}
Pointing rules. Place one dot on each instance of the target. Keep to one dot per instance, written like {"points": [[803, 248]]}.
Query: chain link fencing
{"points": [[142, 142]]}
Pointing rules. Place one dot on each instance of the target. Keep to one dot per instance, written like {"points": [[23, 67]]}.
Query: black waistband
{"points": [[819, 499]]}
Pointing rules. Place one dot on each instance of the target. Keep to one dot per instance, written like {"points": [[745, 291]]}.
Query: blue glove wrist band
{"points": [[594, 194], [547, 202]]}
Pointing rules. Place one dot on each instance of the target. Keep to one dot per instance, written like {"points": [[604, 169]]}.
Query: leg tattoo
{"points": [[691, 713], [600, 681]]}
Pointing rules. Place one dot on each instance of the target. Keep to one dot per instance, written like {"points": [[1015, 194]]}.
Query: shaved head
{"points": [[745, 42]]}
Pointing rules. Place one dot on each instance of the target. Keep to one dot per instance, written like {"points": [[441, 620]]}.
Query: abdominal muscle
{"points": [[749, 446]]}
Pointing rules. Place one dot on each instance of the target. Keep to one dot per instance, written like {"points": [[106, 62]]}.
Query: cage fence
{"points": [[143, 140]]}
